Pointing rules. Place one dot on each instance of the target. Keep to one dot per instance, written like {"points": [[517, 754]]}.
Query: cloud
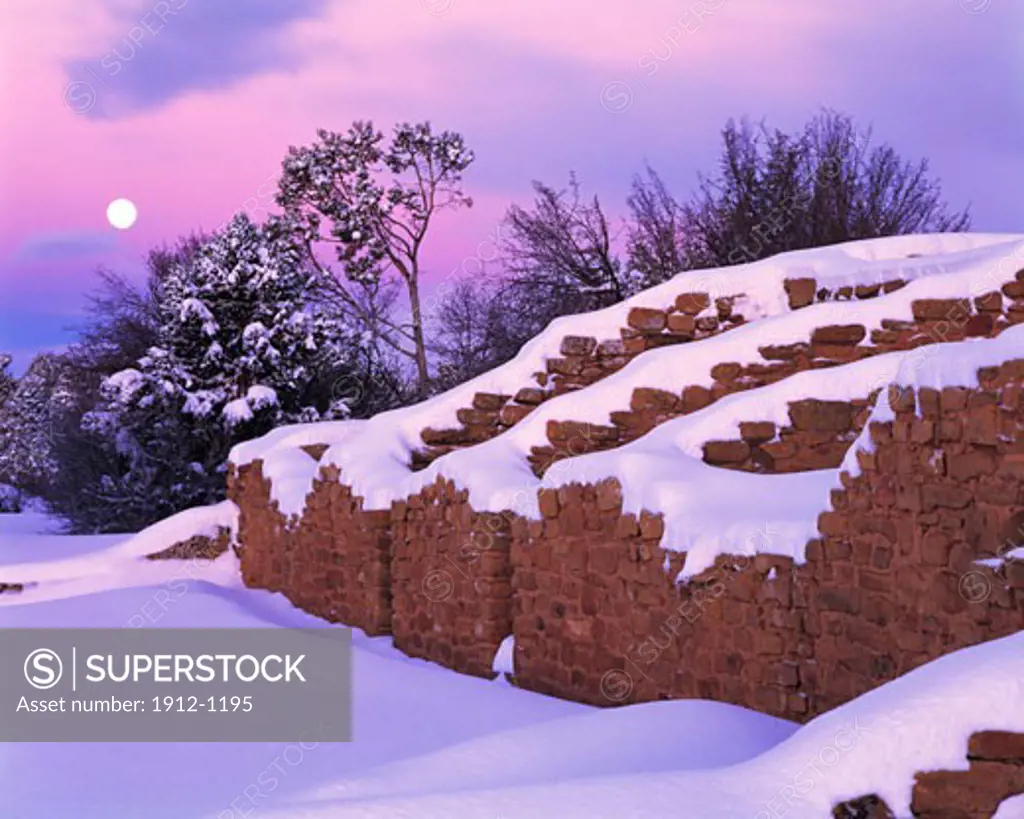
{"points": [[61, 246], [168, 48]]}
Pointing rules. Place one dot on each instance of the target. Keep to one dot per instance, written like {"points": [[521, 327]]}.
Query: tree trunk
{"points": [[422, 370]]}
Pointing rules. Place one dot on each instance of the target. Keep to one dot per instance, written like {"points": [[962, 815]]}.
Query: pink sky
{"points": [[210, 94]]}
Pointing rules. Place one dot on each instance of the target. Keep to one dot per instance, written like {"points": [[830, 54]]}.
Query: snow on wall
{"points": [[865, 262], [293, 437], [957, 366], [375, 463], [663, 472]]}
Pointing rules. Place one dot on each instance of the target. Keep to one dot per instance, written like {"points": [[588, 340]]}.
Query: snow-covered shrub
{"points": [[243, 336]]}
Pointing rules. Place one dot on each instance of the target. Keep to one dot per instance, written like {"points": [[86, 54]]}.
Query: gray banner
{"points": [[175, 685]]}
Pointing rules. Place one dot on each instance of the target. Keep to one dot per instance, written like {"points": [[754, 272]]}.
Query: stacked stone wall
{"points": [[334, 562], [590, 596], [893, 581], [817, 437], [583, 361], [265, 538], [934, 321], [451, 579], [994, 773]]}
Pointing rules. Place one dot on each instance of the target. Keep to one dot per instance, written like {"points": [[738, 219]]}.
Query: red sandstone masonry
{"points": [[599, 619], [995, 773], [895, 574], [341, 566], [335, 562], [586, 360], [819, 434], [890, 585], [935, 321], [263, 534], [199, 547], [451, 580], [592, 624]]}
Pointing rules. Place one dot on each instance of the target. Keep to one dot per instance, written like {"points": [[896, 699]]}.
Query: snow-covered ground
{"points": [[433, 743], [35, 538]]}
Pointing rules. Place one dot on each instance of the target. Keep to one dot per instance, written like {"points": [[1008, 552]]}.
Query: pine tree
{"points": [[6, 379], [30, 421], [242, 336], [374, 204], [9, 496]]}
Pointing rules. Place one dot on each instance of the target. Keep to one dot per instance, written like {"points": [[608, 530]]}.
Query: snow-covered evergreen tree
{"points": [[242, 337], [243, 330], [30, 420], [6, 379]]}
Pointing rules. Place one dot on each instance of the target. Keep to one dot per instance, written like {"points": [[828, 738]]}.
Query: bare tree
{"points": [[374, 203], [655, 239], [775, 192], [481, 325], [561, 250]]}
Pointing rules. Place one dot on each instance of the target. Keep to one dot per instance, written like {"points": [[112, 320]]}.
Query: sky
{"points": [[187, 107]]}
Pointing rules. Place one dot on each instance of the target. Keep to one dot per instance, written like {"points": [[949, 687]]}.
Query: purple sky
{"points": [[187, 106]]}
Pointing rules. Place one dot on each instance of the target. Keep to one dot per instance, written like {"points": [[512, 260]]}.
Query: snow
{"points": [[433, 743], [124, 383], [937, 367], [504, 658], [34, 537], [710, 511], [1012, 808], [260, 396], [237, 411], [256, 398], [954, 256], [293, 436], [663, 472], [375, 463], [874, 744], [291, 473], [10, 499], [95, 555]]}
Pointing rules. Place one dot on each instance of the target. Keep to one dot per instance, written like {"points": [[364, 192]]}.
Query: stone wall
{"points": [[335, 562], [451, 580], [199, 547], [995, 772], [341, 565], [891, 584], [934, 321], [589, 594], [599, 619], [265, 537], [817, 437], [590, 597], [584, 361], [896, 582]]}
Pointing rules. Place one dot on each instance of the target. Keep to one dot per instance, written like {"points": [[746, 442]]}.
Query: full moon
{"points": [[121, 213]]}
